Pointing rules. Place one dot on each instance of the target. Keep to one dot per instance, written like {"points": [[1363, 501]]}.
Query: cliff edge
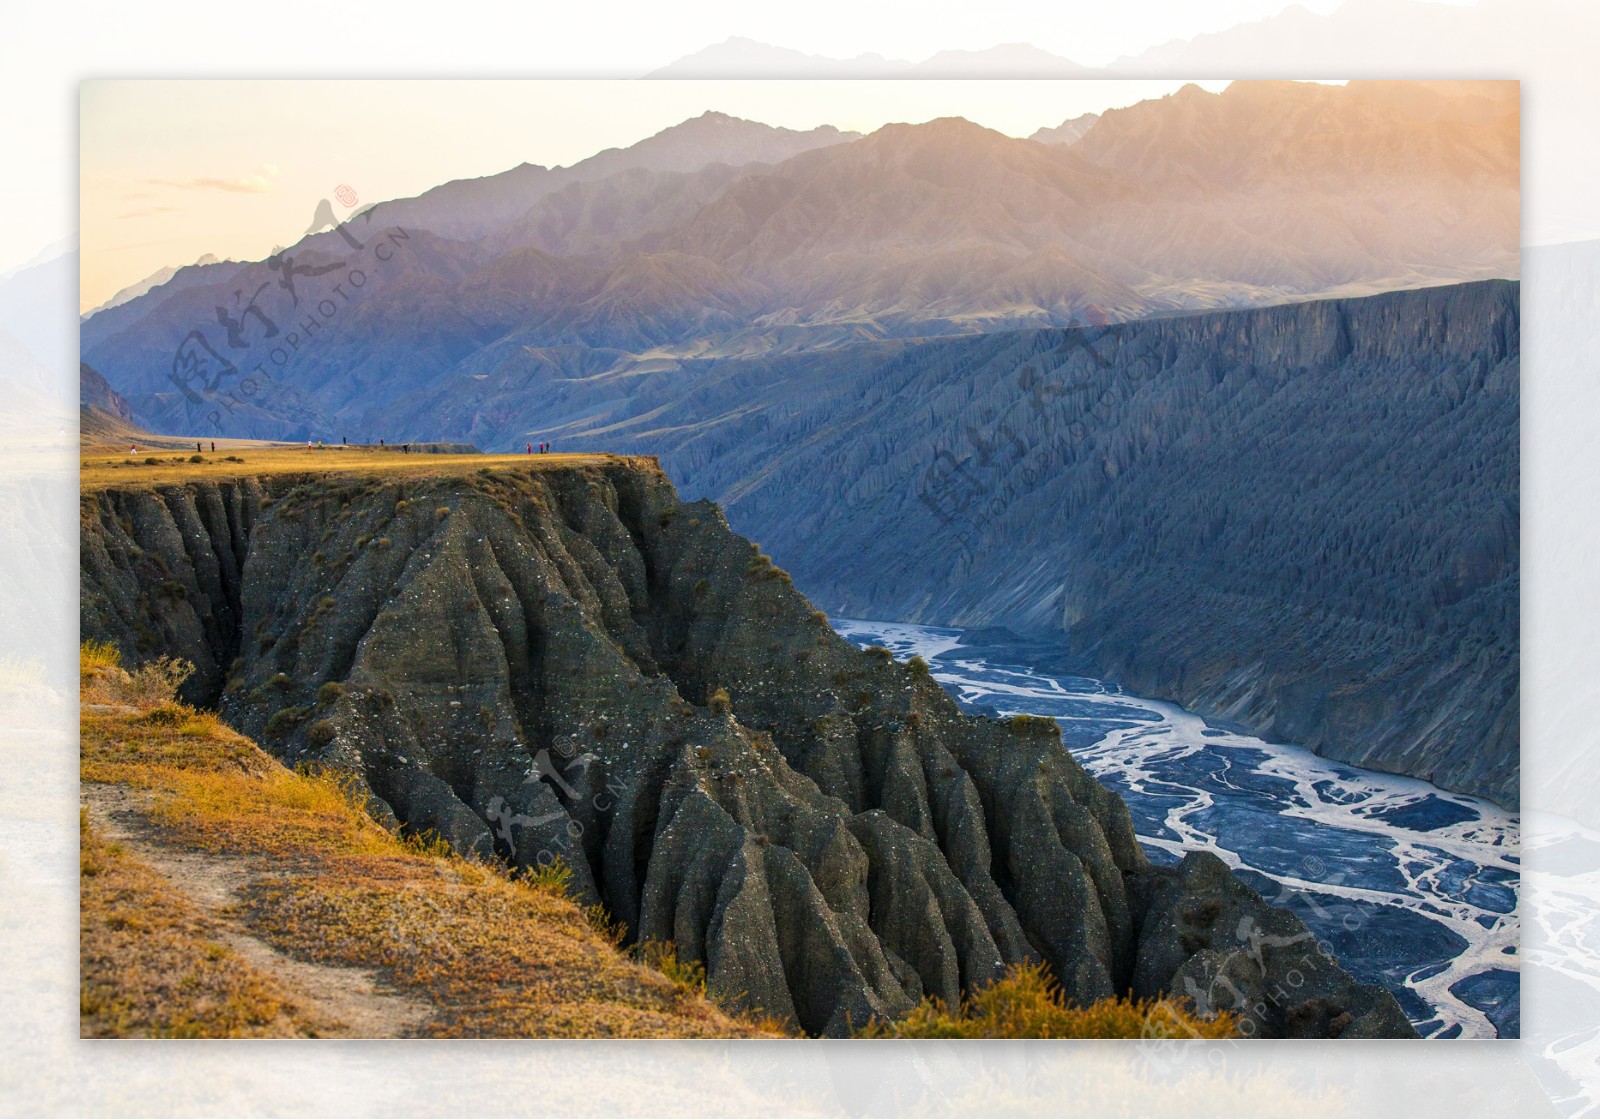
{"points": [[564, 660]]}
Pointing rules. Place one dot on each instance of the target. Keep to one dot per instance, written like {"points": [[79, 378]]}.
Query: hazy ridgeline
{"points": [[1303, 517], [728, 238]]}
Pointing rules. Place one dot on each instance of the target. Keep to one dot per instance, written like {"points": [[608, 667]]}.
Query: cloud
{"points": [[258, 183], [146, 212]]}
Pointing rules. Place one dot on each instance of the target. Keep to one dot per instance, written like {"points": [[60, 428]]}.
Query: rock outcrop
{"points": [[568, 662]]}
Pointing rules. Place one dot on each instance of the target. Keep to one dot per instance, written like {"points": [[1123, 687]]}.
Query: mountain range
{"points": [[1358, 38], [726, 238]]}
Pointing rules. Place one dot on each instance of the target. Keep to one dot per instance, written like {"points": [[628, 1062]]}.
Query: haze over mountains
{"points": [[722, 238], [154, 280], [1359, 38]]}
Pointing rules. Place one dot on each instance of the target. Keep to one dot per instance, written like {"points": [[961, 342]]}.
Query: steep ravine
{"points": [[1301, 519], [540, 662]]}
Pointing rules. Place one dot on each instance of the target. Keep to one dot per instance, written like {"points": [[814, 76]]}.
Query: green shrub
{"points": [[321, 733], [329, 692], [283, 721], [720, 702]]}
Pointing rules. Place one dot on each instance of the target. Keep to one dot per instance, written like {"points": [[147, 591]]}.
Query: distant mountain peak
{"points": [[740, 57], [1004, 60], [1068, 132]]}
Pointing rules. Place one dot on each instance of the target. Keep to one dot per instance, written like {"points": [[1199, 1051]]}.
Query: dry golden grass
{"points": [[97, 471], [102, 680], [150, 963], [1027, 1003], [492, 954]]}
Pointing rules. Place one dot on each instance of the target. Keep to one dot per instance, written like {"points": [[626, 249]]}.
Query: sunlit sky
{"points": [[172, 170]]}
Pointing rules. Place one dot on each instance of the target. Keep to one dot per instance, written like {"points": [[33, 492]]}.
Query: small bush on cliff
{"points": [[103, 680], [330, 693], [554, 877], [600, 920], [1034, 725], [880, 653], [283, 721], [1028, 1003], [93, 655], [720, 702], [689, 976], [918, 665]]}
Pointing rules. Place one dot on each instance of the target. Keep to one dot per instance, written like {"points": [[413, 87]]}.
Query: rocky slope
{"points": [[1302, 519], [541, 662]]}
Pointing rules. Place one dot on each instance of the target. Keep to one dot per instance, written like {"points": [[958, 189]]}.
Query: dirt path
{"points": [[354, 999]]}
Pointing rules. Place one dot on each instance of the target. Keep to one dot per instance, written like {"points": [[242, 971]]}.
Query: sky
{"points": [[51, 48], [172, 170]]}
